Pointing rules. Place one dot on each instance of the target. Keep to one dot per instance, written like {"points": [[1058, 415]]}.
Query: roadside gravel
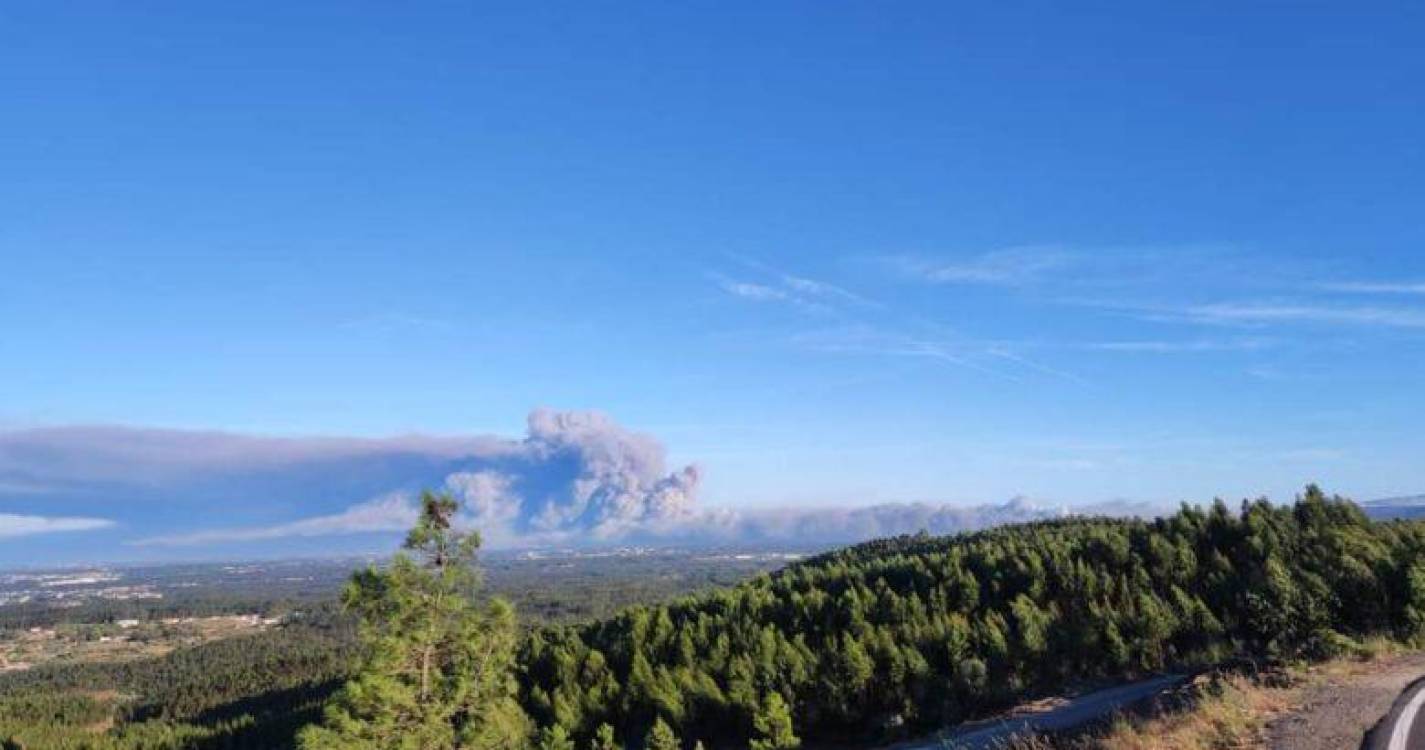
{"points": [[1336, 708]]}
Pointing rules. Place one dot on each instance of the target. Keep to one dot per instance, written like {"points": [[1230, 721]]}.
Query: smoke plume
{"points": [[574, 479]]}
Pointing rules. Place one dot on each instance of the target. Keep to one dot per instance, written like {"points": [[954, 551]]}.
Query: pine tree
{"points": [[437, 674], [604, 739], [661, 737], [1415, 600], [773, 723], [555, 738]]}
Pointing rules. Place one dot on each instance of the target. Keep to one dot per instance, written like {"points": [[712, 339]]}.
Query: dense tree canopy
{"points": [[251, 691], [913, 632]]}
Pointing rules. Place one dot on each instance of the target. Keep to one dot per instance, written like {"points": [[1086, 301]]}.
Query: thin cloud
{"points": [[24, 487], [868, 340], [1105, 276], [1374, 287], [12, 525], [752, 291], [809, 295], [814, 288], [1009, 267], [1266, 372], [802, 287], [888, 337], [1258, 314], [1035, 366], [1070, 464], [1168, 346], [861, 337]]}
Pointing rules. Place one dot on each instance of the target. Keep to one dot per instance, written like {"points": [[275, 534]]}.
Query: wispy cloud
{"points": [[1011, 266], [1173, 346], [1029, 364], [1375, 287], [820, 289], [873, 329], [973, 355], [773, 285], [1268, 373], [1250, 313], [766, 293], [750, 290], [9, 486], [1070, 464], [866, 339], [12, 525], [1126, 275], [802, 287]]}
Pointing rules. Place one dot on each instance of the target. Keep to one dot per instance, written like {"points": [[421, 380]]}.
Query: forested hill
{"points": [[898, 635]]}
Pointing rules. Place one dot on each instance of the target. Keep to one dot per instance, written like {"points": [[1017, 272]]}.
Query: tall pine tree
{"points": [[438, 667]]}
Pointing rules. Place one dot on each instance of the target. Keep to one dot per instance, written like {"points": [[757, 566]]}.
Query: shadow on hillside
{"points": [[268, 721]]}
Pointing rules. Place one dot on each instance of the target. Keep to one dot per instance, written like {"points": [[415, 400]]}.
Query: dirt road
{"points": [[1404, 727], [1062, 715], [1337, 713]]}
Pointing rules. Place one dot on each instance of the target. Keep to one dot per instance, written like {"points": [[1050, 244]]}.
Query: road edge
{"points": [[1378, 738]]}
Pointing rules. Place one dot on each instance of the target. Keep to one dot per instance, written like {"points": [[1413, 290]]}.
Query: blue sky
{"points": [[831, 253]]}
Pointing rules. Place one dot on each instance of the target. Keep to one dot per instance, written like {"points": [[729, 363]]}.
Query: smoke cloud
{"points": [[574, 479]]}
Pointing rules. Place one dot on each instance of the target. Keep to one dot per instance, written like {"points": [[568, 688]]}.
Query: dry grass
{"points": [[1231, 714], [1234, 711], [1227, 713]]}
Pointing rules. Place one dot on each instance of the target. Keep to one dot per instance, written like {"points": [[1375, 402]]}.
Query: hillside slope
{"points": [[882, 638]]}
